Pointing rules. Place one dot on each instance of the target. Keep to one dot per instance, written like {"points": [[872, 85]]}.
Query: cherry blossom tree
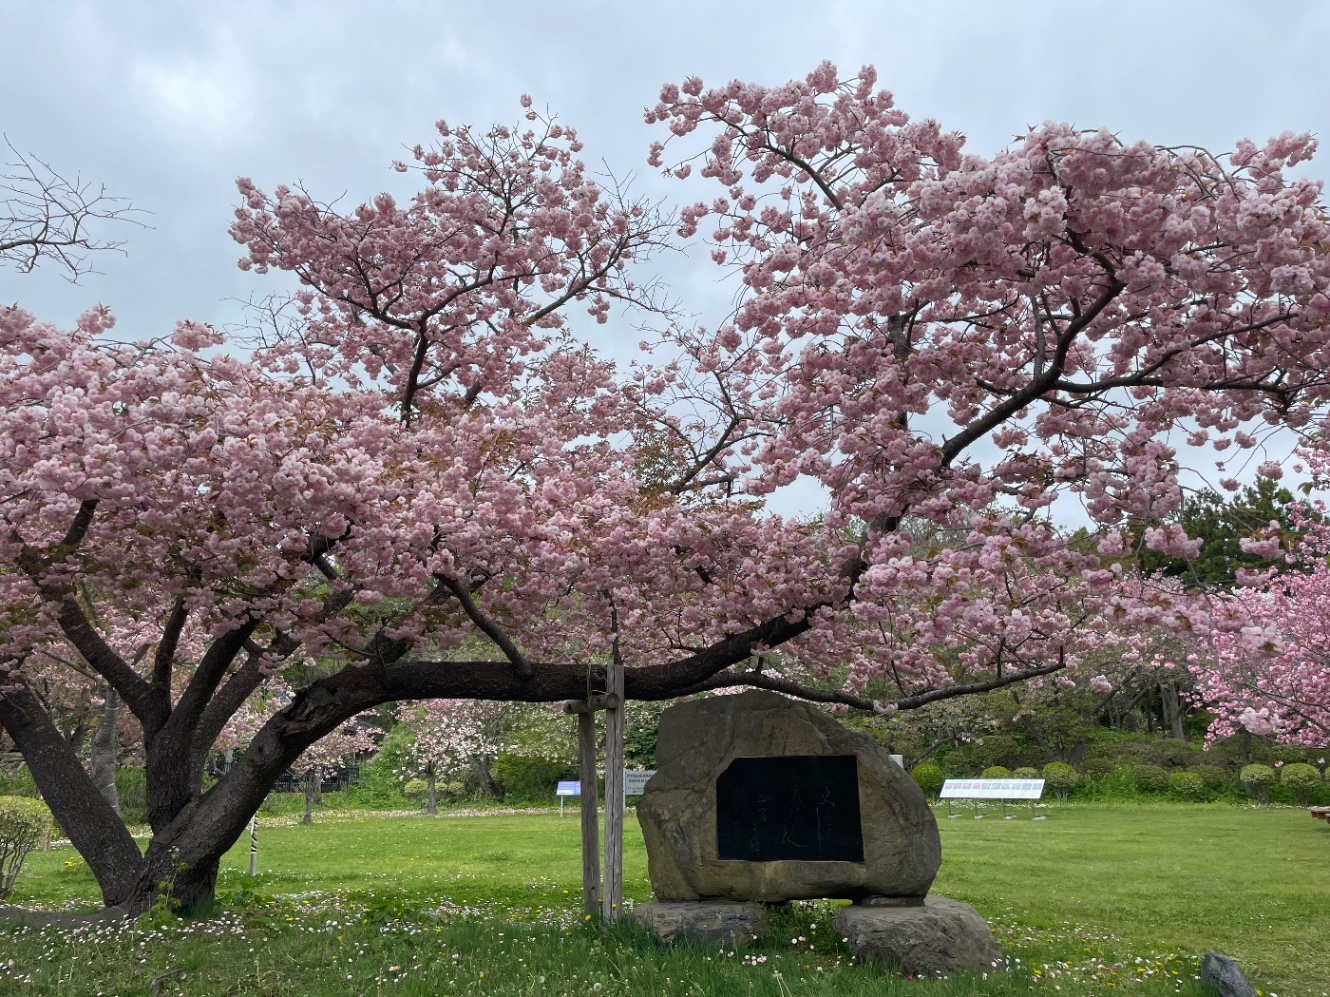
{"points": [[448, 736], [1271, 677], [427, 451], [326, 755]]}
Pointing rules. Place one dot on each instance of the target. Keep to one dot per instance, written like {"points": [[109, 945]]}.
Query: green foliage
{"points": [[1150, 778], [1025, 772], [1257, 775], [1256, 780], [1061, 778], [996, 772], [1301, 780], [641, 727], [1188, 785], [1224, 524], [417, 789], [1214, 776], [131, 787], [530, 780], [929, 777], [17, 782], [380, 785], [24, 824], [1097, 768]]}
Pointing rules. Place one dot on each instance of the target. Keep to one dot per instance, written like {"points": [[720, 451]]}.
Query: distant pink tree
{"points": [[447, 737], [326, 755], [1271, 675]]}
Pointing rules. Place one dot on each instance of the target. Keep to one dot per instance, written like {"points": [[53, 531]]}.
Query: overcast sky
{"points": [[167, 103]]}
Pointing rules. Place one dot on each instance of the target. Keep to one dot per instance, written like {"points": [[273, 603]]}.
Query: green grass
{"points": [[1078, 899]]}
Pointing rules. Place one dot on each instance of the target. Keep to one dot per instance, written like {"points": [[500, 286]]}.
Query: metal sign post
{"points": [[565, 790]]}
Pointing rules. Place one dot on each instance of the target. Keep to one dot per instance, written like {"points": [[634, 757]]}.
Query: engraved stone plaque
{"points": [[800, 807]]}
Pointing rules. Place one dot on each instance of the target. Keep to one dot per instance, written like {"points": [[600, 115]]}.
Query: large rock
{"points": [[1222, 975], [698, 742], [935, 938], [704, 920]]}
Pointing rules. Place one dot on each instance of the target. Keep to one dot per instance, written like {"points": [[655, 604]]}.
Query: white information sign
{"points": [[635, 781], [992, 789], [569, 789]]}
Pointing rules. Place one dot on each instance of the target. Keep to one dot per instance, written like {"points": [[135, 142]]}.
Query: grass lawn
{"points": [[1099, 898]]}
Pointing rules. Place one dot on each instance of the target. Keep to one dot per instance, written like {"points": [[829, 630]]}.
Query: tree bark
{"points": [[105, 748]]}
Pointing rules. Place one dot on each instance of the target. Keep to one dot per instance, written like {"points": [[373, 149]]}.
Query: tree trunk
{"points": [[105, 748], [431, 804], [480, 765], [94, 829], [313, 784]]}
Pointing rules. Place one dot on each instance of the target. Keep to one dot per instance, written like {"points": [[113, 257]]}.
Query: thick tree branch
{"points": [[487, 626], [93, 826]]}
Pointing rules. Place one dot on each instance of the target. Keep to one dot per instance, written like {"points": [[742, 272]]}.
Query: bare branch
{"points": [[45, 216]]}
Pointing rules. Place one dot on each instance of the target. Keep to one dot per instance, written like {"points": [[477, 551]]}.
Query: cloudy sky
{"points": [[167, 103]]}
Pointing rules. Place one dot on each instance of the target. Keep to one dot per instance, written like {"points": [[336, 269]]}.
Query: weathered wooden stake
{"points": [[586, 763], [612, 897], [254, 845]]}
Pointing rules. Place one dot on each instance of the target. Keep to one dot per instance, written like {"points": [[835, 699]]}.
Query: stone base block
{"points": [[704, 920], [936, 938]]}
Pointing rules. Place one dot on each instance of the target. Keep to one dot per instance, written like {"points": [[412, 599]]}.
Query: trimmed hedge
{"points": [[1025, 772], [1150, 778], [1301, 780], [996, 772], [24, 824], [1061, 778], [1188, 785], [929, 777], [1256, 780]]}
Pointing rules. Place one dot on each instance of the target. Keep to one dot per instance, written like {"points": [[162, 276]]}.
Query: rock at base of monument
{"points": [[938, 938], [704, 920], [1223, 976]]}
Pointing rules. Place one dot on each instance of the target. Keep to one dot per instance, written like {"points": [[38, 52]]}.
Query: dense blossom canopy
{"points": [[419, 450]]}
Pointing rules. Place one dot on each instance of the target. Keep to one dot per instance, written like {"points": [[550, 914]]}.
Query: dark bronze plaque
{"points": [[802, 807]]}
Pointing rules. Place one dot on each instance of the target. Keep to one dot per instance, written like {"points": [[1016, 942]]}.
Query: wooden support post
{"points": [[612, 896], [254, 845], [586, 763]]}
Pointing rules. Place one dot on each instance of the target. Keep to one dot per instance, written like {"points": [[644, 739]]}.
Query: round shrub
{"points": [[416, 789], [1214, 776], [996, 772], [1301, 779], [1188, 785], [1256, 780], [24, 824], [928, 776], [1061, 778], [1098, 768], [1150, 778], [1025, 772]]}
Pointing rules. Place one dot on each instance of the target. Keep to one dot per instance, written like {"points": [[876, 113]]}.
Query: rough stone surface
{"points": [[705, 920], [935, 939], [697, 742], [1222, 975]]}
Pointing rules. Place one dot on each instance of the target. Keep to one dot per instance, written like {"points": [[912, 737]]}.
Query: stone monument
{"points": [[759, 799]]}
